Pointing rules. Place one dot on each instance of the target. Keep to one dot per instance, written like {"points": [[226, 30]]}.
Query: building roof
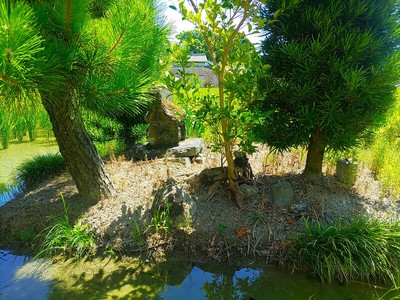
{"points": [[198, 58]]}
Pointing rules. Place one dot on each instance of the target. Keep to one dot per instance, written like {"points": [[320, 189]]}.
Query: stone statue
{"points": [[166, 119]]}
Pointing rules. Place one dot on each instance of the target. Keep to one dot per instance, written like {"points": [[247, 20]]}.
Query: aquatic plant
{"points": [[67, 239], [359, 249], [39, 168]]}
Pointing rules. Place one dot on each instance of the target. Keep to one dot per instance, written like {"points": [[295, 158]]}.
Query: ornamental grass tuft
{"points": [[64, 238], [39, 168], [345, 251]]}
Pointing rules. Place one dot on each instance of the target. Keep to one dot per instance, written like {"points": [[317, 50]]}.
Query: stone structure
{"points": [[282, 194], [166, 119], [346, 171], [166, 135]]}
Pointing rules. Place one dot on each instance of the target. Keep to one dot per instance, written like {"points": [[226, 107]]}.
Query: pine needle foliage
{"points": [[334, 67], [346, 251], [102, 56]]}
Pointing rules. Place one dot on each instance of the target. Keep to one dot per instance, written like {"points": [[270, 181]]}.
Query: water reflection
{"points": [[21, 278], [8, 193], [13, 287]]}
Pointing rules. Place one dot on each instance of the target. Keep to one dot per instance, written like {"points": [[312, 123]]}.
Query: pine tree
{"points": [[334, 65], [101, 55]]}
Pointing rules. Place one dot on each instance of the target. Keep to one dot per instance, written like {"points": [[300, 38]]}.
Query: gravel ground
{"points": [[220, 230]]}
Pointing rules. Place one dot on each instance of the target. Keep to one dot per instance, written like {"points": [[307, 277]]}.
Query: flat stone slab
{"points": [[187, 148]]}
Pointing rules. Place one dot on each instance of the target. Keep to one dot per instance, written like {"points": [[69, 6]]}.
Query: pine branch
{"points": [[117, 41], [67, 19], [116, 93], [7, 79]]}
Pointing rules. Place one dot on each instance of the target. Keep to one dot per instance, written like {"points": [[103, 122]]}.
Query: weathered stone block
{"points": [[163, 134], [186, 148], [282, 194], [189, 148], [346, 171], [166, 121]]}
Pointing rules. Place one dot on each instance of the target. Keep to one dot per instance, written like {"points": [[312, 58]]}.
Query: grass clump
{"points": [[39, 168], [359, 249], [137, 236], [67, 239], [161, 222]]}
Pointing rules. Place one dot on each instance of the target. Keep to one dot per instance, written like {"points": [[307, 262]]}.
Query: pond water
{"points": [[8, 192], [24, 278], [14, 155], [19, 151]]}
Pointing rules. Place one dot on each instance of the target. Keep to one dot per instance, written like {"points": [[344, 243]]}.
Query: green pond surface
{"points": [[24, 278], [20, 151]]}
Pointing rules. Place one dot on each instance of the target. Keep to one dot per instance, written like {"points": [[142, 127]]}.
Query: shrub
{"points": [[39, 168], [359, 249], [383, 157], [334, 67]]}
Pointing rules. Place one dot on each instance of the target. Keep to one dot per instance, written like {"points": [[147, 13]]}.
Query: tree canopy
{"points": [[101, 55], [334, 65], [195, 40]]}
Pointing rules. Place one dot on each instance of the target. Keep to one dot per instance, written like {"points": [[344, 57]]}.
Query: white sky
{"points": [[180, 25], [175, 18]]}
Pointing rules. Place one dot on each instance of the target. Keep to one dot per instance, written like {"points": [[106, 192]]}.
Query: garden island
{"points": [[207, 148]]}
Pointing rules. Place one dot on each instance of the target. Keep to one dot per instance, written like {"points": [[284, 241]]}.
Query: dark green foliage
{"points": [[5, 128], [360, 249], [334, 65], [100, 128], [104, 129], [39, 168]]}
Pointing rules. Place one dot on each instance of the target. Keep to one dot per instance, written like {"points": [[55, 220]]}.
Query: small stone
{"points": [[189, 148], [182, 206], [282, 194], [198, 160], [249, 191], [185, 160], [299, 208]]}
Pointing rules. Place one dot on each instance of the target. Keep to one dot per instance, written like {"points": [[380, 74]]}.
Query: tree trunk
{"points": [[315, 156], [80, 155], [232, 178]]}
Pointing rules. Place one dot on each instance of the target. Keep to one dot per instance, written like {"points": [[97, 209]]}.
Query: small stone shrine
{"points": [[166, 119], [346, 171], [167, 133]]}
